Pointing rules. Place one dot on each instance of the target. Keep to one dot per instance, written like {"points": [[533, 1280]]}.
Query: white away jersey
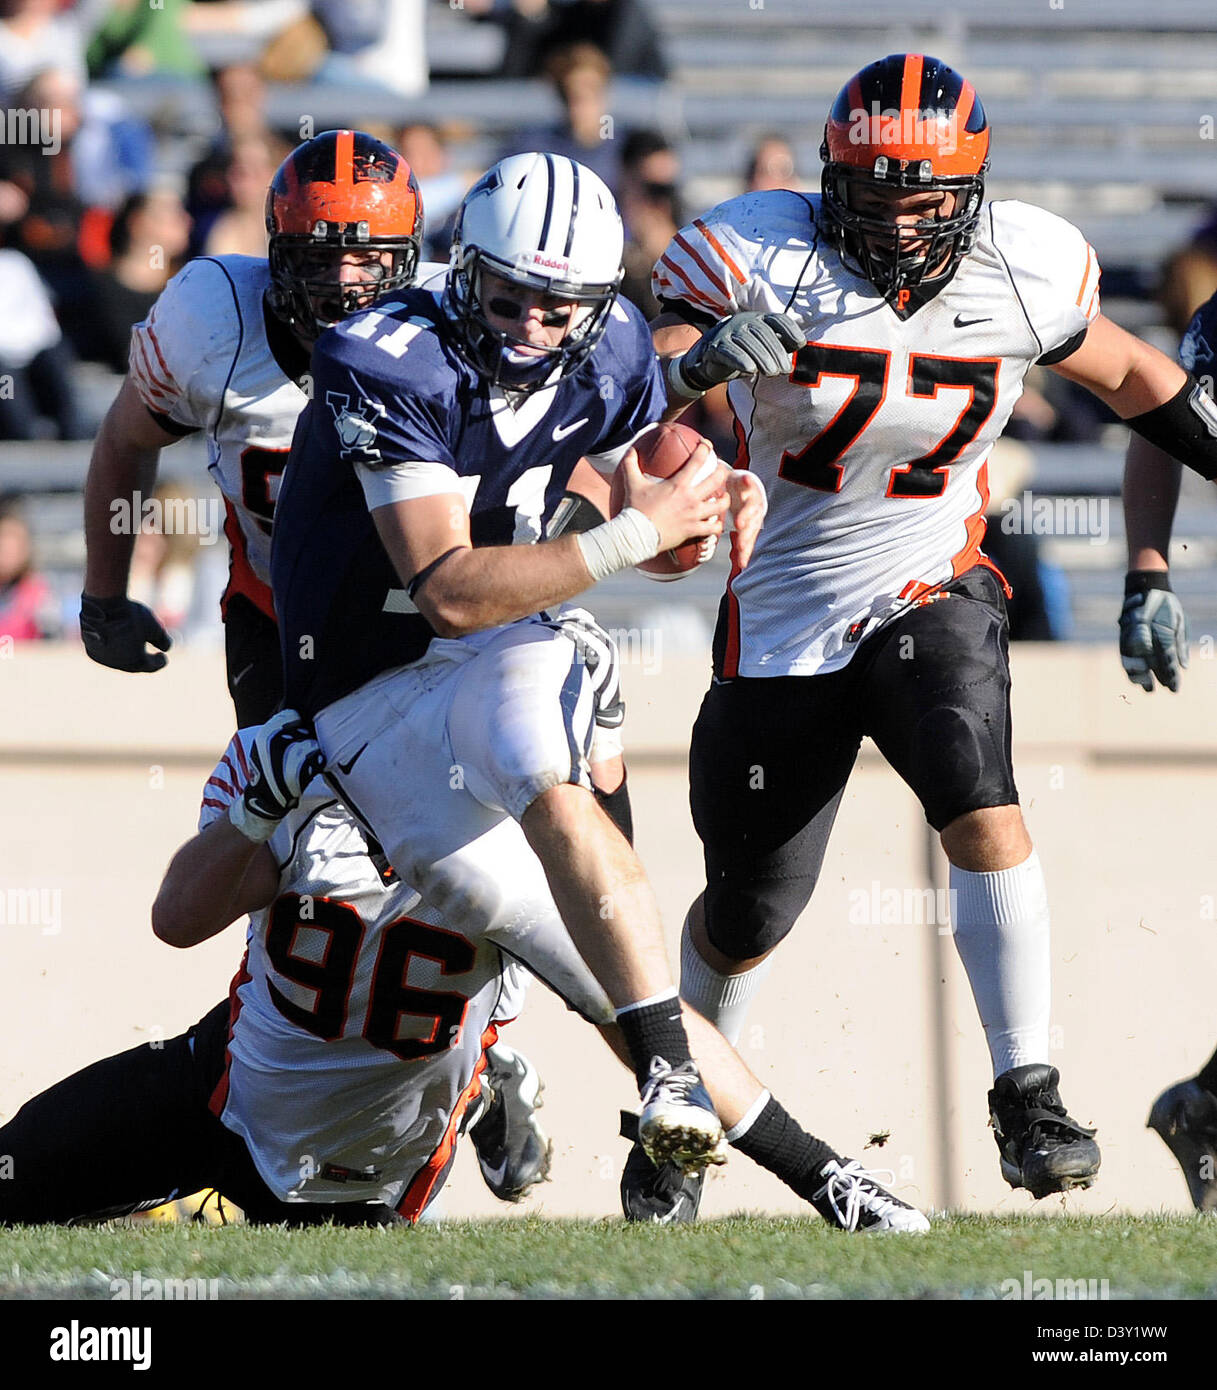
{"points": [[358, 1024], [874, 449], [201, 360]]}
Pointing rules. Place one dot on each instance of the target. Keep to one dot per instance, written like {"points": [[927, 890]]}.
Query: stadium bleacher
{"points": [[1103, 112]]}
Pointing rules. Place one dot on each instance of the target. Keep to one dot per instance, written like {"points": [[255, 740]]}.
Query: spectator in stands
{"points": [[771, 166], [28, 608], [366, 43], [623, 30], [37, 397], [651, 208], [241, 228], [240, 95], [51, 232], [36, 34], [148, 241], [135, 37], [425, 150], [580, 75], [1189, 277], [374, 43]]}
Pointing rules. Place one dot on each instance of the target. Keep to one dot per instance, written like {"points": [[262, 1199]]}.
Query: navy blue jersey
{"points": [[389, 391], [1198, 351]]}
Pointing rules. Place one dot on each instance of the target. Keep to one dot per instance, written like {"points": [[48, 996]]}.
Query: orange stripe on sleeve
{"points": [[1085, 274], [692, 292], [718, 282], [721, 249]]}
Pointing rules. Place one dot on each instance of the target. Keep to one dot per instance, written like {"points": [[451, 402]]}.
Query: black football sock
{"points": [[654, 1029], [1208, 1075], [616, 806], [778, 1142]]}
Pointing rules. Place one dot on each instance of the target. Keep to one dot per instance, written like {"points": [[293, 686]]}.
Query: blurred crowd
{"points": [[98, 207]]}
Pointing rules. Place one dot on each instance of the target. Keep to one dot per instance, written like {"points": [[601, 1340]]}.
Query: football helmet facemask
{"points": [[912, 123], [549, 226], [341, 192]]}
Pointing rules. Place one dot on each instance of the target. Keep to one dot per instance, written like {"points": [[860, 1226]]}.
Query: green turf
{"points": [[963, 1257]]}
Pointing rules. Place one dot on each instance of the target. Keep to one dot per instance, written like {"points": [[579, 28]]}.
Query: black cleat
{"points": [[512, 1149], [1042, 1147], [663, 1196], [1185, 1116]]}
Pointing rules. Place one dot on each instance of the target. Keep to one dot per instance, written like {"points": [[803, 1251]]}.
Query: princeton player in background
{"points": [[912, 310], [1153, 648], [226, 350]]}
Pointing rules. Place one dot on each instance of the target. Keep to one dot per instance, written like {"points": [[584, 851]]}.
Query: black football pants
{"points": [[133, 1131]]}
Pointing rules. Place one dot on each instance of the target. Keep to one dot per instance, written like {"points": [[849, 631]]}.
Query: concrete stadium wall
{"points": [[863, 1028]]}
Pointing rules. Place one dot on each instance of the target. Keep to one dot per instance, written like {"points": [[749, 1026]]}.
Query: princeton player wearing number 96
{"points": [[913, 310]]}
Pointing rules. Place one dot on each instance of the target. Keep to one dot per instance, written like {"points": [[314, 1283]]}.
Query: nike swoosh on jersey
{"points": [[961, 322], [344, 768], [561, 431]]}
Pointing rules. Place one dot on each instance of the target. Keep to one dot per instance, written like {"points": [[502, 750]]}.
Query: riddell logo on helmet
{"points": [[539, 261], [908, 127]]}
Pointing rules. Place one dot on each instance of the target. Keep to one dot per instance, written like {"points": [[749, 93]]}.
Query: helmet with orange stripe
{"points": [[345, 219], [905, 150]]}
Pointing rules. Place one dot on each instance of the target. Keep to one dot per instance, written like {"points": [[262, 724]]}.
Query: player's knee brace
{"points": [[961, 763], [746, 919]]}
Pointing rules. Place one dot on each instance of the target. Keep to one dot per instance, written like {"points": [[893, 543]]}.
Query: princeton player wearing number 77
{"points": [[913, 310]]}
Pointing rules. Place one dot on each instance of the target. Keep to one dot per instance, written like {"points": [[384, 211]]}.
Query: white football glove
{"points": [[286, 757], [1153, 630]]}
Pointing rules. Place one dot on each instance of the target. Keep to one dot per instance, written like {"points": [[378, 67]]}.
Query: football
{"points": [[662, 449]]}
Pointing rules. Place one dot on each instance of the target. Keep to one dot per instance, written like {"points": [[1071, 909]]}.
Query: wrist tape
{"points": [[629, 539]]}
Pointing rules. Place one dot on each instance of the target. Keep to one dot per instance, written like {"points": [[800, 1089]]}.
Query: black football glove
{"points": [[115, 631], [744, 345], [286, 757], [1153, 630]]}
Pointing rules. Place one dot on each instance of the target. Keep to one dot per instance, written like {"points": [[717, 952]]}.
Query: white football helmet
{"points": [[545, 222]]}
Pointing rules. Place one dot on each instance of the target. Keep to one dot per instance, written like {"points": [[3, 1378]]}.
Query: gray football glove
{"points": [[1153, 630], [286, 757], [115, 632], [743, 345]]}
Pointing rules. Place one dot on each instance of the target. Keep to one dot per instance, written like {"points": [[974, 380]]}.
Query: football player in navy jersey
{"points": [[411, 583], [414, 592], [1153, 647]]}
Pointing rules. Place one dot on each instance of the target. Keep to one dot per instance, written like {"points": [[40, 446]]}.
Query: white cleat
{"points": [[677, 1123], [852, 1200]]}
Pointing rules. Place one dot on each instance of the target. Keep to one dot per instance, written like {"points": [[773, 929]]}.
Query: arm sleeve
{"points": [[181, 354], [704, 271], [1055, 274], [228, 780]]}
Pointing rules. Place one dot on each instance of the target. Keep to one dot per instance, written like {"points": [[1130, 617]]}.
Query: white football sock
{"points": [[723, 999], [1002, 930]]}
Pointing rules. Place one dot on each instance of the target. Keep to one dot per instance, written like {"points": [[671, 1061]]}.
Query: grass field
{"points": [[964, 1257]]}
